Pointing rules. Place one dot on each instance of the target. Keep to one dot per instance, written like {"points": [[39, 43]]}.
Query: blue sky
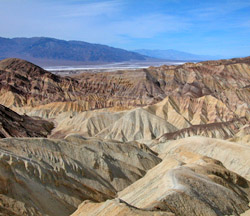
{"points": [[207, 27]]}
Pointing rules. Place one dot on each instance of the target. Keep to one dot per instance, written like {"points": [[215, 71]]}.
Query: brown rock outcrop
{"points": [[221, 130], [24, 84], [15, 125]]}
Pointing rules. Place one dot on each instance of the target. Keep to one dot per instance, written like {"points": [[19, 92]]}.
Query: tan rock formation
{"points": [[168, 119], [137, 124], [186, 183], [185, 111], [113, 208], [203, 186], [87, 123], [243, 136], [235, 156], [52, 177], [247, 213]]}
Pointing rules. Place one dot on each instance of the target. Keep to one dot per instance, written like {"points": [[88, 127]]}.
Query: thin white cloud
{"points": [[217, 9], [106, 8], [148, 26]]}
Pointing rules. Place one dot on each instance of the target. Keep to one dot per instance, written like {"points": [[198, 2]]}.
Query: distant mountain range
{"points": [[54, 52], [171, 54], [50, 51]]}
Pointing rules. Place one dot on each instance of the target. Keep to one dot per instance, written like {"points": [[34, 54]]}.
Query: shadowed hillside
{"points": [[14, 125]]}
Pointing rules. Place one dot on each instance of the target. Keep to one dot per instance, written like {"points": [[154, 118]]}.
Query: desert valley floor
{"points": [[168, 140]]}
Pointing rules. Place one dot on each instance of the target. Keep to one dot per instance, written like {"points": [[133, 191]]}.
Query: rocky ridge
{"points": [[113, 208], [28, 85], [235, 156], [171, 118], [15, 125], [52, 177], [96, 151], [187, 182], [182, 100], [201, 187]]}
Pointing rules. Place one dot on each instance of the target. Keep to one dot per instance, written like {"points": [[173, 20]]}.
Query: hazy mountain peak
{"points": [[171, 54]]}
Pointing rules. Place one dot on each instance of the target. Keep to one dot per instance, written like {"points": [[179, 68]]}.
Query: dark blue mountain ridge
{"points": [[42, 49]]}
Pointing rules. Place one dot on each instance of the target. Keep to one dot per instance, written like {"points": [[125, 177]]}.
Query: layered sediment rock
{"points": [[207, 98], [169, 119], [52, 177], [198, 186], [24, 84], [187, 182], [109, 111], [15, 125], [223, 130]]}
